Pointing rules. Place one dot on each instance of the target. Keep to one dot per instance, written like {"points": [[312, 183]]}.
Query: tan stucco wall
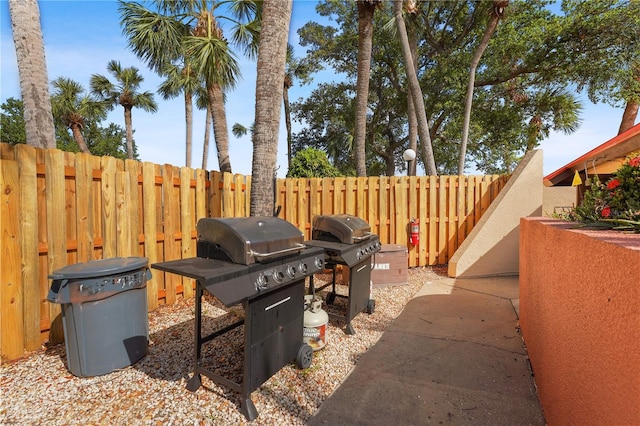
{"points": [[491, 248], [556, 199], [580, 319]]}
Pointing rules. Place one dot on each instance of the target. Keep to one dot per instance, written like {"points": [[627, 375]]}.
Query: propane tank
{"points": [[315, 323]]}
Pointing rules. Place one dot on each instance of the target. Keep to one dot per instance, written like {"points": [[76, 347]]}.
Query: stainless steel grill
{"points": [[347, 240], [341, 228], [249, 240], [261, 263]]}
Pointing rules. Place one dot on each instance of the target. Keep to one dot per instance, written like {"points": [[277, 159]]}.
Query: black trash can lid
{"points": [[98, 268]]}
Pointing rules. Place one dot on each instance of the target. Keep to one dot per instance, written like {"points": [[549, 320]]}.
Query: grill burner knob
{"points": [[291, 271], [261, 282], [302, 267], [278, 276], [318, 262]]}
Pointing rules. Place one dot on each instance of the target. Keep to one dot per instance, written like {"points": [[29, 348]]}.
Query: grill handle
{"points": [[362, 238], [297, 248]]}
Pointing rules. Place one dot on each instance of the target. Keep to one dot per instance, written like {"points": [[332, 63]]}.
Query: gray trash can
{"points": [[104, 313]]}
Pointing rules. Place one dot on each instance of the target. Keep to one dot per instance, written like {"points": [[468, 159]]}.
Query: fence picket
{"points": [[150, 228], [383, 192], [350, 196], [361, 204], [432, 224], [187, 215], [133, 199], [56, 228], [303, 207], [228, 206], [26, 157], [169, 228], [372, 206], [109, 228], [12, 342]]}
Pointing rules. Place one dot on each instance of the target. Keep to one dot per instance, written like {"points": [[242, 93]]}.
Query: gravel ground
{"points": [[40, 390]]}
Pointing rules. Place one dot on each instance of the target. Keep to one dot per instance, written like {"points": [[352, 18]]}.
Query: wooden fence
{"points": [[60, 208]]}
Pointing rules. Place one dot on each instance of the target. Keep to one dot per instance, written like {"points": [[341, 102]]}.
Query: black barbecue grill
{"points": [[347, 240], [261, 263]]}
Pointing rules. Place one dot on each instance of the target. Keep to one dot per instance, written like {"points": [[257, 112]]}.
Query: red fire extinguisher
{"points": [[414, 235]]}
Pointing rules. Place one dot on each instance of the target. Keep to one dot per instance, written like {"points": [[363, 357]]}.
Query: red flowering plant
{"points": [[616, 203]]}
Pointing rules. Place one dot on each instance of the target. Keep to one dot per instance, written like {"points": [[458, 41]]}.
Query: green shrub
{"points": [[614, 204]]}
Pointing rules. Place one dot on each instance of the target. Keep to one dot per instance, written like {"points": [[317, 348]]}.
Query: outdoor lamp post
{"points": [[409, 155]]}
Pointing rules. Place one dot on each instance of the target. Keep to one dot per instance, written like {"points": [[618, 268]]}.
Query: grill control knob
{"points": [[291, 271], [302, 267], [261, 282], [278, 276], [318, 262]]}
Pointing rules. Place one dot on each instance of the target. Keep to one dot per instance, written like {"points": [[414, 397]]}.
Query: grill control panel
{"points": [[276, 274], [350, 254], [355, 253]]}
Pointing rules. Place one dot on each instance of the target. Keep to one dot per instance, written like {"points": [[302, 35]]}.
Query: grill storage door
{"points": [[359, 295], [275, 323]]}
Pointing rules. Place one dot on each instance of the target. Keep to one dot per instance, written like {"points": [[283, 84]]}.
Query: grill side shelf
{"points": [[207, 271], [210, 273]]}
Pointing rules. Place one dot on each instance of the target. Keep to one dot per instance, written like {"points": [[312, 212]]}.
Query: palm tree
{"points": [[125, 93], [181, 80], [272, 56], [188, 32], [552, 109], [202, 102], [366, 9], [218, 67], [496, 13], [32, 69], [75, 108]]}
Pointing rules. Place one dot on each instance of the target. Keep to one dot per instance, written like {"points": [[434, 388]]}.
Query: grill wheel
{"points": [[304, 357]]}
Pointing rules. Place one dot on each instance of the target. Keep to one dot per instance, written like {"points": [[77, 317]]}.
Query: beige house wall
{"points": [[556, 199], [492, 247]]}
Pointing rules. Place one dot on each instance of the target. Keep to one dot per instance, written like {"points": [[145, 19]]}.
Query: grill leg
{"points": [[246, 405], [196, 381], [333, 281], [248, 409]]}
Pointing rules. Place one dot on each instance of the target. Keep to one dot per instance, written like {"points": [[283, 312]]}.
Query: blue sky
{"points": [[81, 37]]}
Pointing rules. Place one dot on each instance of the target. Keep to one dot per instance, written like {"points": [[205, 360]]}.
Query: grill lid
{"points": [[341, 228], [247, 240]]}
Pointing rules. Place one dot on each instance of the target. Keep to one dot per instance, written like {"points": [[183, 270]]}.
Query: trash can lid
{"points": [[101, 267]]}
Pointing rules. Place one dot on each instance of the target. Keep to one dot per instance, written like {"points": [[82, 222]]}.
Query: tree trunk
{"points": [[365, 42], [491, 27], [415, 90], [220, 131], [411, 110], [129, 129], [205, 146], [276, 17], [188, 118], [77, 135], [32, 69], [287, 122], [629, 116]]}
